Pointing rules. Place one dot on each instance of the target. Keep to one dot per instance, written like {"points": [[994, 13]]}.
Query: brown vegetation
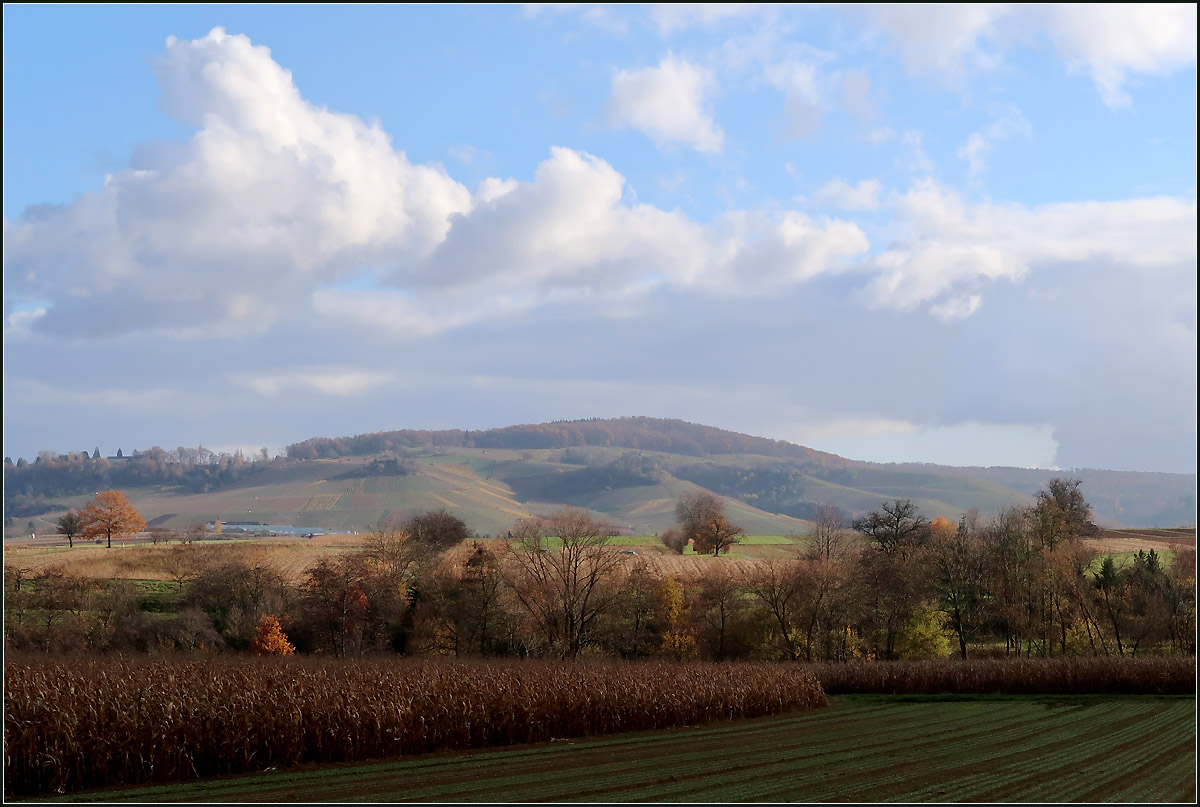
{"points": [[1162, 675], [85, 722], [1024, 583]]}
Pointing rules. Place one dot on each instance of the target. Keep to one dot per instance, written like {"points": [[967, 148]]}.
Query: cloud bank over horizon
{"points": [[286, 254]]}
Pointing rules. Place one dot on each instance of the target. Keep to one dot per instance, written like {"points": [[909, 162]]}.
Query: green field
{"points": [[859, 749]]}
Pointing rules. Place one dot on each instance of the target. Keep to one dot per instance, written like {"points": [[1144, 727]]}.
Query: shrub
{"points": [[270, 639]]}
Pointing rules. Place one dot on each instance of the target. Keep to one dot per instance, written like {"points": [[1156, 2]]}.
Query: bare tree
{"points": [[957, 556], [182, 562], [895, 526], [462, 608], [719, 609], [562, 571], [393, 553], [336, 606], [830, 537], [160, 535], [777, 585]]}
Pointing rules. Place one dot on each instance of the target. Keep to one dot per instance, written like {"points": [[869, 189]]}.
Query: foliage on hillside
{"points": [[625, 472], [617, 454], [640, 433], [28, 486]]}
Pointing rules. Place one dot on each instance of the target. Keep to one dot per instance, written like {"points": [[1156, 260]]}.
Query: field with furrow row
{"points": [[864, 748]]}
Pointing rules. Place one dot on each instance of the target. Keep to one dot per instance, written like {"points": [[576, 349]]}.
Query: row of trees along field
{"points": [[891, 585], [29, 486]]}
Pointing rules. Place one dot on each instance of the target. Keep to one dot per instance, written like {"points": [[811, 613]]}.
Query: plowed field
{"points": [[865, 749]]}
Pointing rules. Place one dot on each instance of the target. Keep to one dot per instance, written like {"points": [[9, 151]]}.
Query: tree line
{"points": [[891, 585], [27, 485], [637, 433]]}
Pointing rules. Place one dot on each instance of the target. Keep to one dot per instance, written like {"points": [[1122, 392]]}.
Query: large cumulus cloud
{"points": [[270, 195], [275, 204]]}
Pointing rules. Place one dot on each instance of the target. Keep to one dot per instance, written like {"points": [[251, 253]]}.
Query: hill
{"points": [[640, 433], [628, 471]]}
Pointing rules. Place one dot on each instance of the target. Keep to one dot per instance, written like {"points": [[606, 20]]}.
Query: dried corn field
{"points": [[86, 722], [1153, 675]]}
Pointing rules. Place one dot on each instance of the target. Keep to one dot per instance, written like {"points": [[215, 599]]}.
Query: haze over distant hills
{"points": [[628, 470]]}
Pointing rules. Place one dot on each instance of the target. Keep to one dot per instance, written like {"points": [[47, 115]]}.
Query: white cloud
{"points": [[668, 103], [1007, 124], [569, 226], [18, 324], [228, 231], [338, 383], [945, 41], [841, 195], [798, 76], [914, 157], [948, 249], [1109, 42], [974, 152], [671, 17], [954, 308], [571, 234], [277, 206]]}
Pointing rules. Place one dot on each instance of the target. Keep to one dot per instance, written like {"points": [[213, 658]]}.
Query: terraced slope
{"points": [[632, 489], [489, 489]]}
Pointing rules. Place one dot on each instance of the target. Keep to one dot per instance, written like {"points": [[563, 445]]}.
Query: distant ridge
{"points": [[627, 470], [668, 435]]}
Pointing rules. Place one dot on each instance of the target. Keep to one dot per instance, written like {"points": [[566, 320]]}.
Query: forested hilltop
{"points": [[623, 467], [640, 433], [31, 487]]}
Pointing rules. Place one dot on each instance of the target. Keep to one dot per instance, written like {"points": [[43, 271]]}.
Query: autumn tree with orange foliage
{"points": [[270, 639], [109, 514]]}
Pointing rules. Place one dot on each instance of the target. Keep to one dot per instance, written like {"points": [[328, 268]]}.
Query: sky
{"points": [[952, 234]]}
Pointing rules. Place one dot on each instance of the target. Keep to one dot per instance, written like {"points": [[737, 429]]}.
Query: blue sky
{"points": [[961, 234]]}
